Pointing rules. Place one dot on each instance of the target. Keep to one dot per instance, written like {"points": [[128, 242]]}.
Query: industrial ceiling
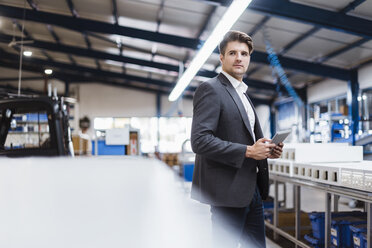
{"points": [[143, 44]]}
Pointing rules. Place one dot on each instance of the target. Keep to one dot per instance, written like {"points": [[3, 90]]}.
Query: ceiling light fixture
{"points": [[48, 71], [232, 14], [27, 53]]}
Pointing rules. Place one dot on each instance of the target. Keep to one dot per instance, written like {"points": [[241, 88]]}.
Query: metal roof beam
{"points": [[259, 57], [11, 79], [82, 78], [304, 66], [311, 15], [99, 73], [82, 69], [314, 16], [81, 24], [259, 25], [33, 5], [115, 12], [72, 8], [75, 14], [56, 38], [343, 49], [29, 36], [101, 55], [298, 40], [349, 7], [206, 21], [352, 6]]}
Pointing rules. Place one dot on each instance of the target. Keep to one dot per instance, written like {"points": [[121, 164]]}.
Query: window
{"points": [[171, 132]]}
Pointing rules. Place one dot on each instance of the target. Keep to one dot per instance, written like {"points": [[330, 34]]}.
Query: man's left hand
{"points": [[276, 152]]}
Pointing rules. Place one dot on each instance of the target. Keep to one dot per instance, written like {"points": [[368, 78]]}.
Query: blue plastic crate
{"points": [[317, 221], [341, 235], [188, 170], [364, 240], [313, 241], [104, 149], [359, 232], [268, 204], [268, 215]]}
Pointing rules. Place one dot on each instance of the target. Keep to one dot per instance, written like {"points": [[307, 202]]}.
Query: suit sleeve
{"points": [[205, 121]]}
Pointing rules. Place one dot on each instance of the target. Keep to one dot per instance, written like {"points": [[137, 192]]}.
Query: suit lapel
{"points": [[257, 125], [231, 90]]}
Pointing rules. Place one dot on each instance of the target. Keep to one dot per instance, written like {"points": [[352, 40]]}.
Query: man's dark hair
{"points": [[234, 35]]}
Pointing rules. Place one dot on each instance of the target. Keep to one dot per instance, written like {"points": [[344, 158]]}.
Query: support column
{"points": [[352, 101], [327, 220], [272, 120], [335, 202], [369, 223], [158, 104], [67, 88], [158, 115], [297, 203], [276, 208]]}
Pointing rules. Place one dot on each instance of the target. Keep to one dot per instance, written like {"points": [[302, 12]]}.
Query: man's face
{"points": [[236, 59]]}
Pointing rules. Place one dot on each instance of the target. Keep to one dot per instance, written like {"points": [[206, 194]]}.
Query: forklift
{"points": [[34, 126]]}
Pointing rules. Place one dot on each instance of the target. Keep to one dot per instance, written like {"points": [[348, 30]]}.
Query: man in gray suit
{"points": [[231, 173]]}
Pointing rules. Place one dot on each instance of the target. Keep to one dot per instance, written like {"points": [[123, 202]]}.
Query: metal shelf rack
{"points": [[329, 190]]}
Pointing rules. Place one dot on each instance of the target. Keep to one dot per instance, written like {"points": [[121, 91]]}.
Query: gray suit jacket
{"points": [[223, 176]]}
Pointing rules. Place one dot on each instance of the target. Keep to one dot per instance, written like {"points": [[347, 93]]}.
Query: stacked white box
{"points": [[284, 167], [271, 164], [335, 164], [321, 153], [328, 173], [302, 170], [357, 175]]}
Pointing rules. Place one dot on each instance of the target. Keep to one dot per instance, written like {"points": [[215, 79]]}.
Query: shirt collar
{"points": [[235, 82]]}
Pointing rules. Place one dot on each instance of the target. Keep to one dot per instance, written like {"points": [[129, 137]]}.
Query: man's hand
{"points": [[260, 150], [277, 151]]}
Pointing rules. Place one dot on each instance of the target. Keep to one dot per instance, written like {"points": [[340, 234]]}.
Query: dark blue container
{"points": [[341, 235], [317, 221], [313, 241], [359, 233], [268, 215], [104, 149], [188, 170]]}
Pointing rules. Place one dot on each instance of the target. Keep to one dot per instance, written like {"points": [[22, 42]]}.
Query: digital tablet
{"points": [[280, 136]]}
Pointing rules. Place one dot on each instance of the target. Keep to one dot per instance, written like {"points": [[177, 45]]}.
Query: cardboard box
{"points": [[81, 145]]}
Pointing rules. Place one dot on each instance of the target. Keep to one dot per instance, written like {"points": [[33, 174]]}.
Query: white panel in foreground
{"points": [[97, 202]]}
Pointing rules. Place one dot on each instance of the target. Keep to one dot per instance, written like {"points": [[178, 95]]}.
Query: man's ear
{"points": [[221, 57]]}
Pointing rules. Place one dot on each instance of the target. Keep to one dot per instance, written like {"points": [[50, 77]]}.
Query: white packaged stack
{"points": [[328, 173], [357, 175], [271, 164], [334, 163], [322, 153], [281, 167]]}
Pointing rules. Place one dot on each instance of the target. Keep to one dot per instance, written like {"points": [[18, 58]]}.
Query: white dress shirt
{"points": [[241, 88]]}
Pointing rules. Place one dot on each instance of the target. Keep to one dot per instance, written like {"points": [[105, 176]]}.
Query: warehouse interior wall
{"points": [[326, 89], [365, 77], [332, 88], [185, 107], [97, 100]]}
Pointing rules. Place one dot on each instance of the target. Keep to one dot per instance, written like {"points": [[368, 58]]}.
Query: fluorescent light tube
{"points": [[232, 14]]}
